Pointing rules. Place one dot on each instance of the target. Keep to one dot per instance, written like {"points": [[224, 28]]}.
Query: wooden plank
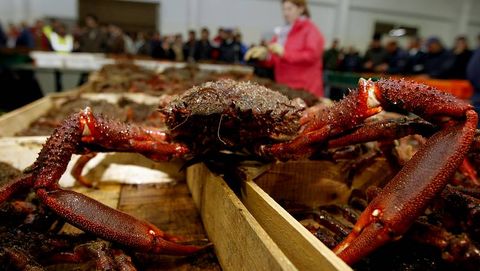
{"points": [[310, 183], [304, 250], [316, 183], [239, 241], [21, 118], [170, 207]]}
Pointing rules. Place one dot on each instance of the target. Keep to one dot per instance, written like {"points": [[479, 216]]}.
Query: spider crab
{"points": [[244, 116]]}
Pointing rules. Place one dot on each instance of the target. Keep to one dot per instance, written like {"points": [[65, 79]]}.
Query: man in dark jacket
{"points": [[93, 40], [438, 61], [203, 47]]}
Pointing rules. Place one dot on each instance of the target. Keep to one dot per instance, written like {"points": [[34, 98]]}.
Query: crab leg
{"points": [[405, 197], [106, 135], [78, 168], [84, 212], [334, 120], [384, 130]]}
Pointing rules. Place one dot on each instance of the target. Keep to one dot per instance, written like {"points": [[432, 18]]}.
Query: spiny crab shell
{"points": [[232, 115]]}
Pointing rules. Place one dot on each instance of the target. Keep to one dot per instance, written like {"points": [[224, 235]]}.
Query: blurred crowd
{"points": [[429, 57], [94, 37]]}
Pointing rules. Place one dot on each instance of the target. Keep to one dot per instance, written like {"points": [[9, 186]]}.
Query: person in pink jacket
{"points": [[296, 51]]}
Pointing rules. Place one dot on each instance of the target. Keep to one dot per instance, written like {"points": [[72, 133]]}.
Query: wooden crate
{"points": [[309, 183], [240, 243], [21, 118]]}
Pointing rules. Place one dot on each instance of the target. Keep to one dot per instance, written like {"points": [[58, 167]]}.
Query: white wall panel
{"points": [[361, 27], [324, 17]]}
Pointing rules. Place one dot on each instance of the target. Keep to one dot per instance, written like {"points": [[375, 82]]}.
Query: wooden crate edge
{"points": [[227, 220], [302, 248]]}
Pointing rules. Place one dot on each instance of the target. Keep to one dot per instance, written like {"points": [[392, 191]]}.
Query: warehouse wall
{"points": [[350, 20]]}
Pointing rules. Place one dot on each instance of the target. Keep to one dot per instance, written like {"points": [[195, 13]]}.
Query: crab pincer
{"points": [[407, 196]]}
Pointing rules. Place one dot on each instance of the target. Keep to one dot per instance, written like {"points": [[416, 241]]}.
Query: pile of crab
{"points": [[243, 117]]}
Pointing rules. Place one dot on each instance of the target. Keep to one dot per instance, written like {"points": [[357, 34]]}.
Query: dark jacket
{"points": [[460, 63], [203, 50], [473, 71], [93, 41], [416, 62], [397, 61], [230, 52], [439, 65], [157, 51]]}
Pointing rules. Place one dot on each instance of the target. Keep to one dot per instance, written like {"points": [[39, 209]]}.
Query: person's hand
{"points": [[368, 65], [381, 68], [256, 52], [276, 48]]}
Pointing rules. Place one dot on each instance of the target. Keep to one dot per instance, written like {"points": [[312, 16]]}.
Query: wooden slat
{"points": [[240, 242], [19, 119], [170, 207], [310, 183], [304, 250]]}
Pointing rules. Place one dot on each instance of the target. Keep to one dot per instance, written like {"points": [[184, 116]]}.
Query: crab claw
{"points": [[407, 196], [320, 126]]}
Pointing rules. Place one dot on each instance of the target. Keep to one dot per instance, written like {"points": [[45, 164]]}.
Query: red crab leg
{"points": [[336, 119], [84, 212], [14, 186], [78, 168], [405, 197], [107, 135], [467, 169], [384, 130]]}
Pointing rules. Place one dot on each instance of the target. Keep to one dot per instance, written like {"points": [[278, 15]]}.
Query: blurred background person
{"points": [[161, 47], [229, 49], [60, 40], [12, 34], [296, 51], [141, 44], [217, 41], [115, 42], [240, 48], [438, 60], [25, 37], [128, 41], [416, 56], [352, 61], [189, 46], [177, 48], [331, 57], [203, 47], [3, 37], [93, 39], [396, 59], [41, 40], [375, 54], [461, 55]]}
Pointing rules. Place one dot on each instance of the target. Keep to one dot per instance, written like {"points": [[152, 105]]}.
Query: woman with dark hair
{"points": [[296, 51]]}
